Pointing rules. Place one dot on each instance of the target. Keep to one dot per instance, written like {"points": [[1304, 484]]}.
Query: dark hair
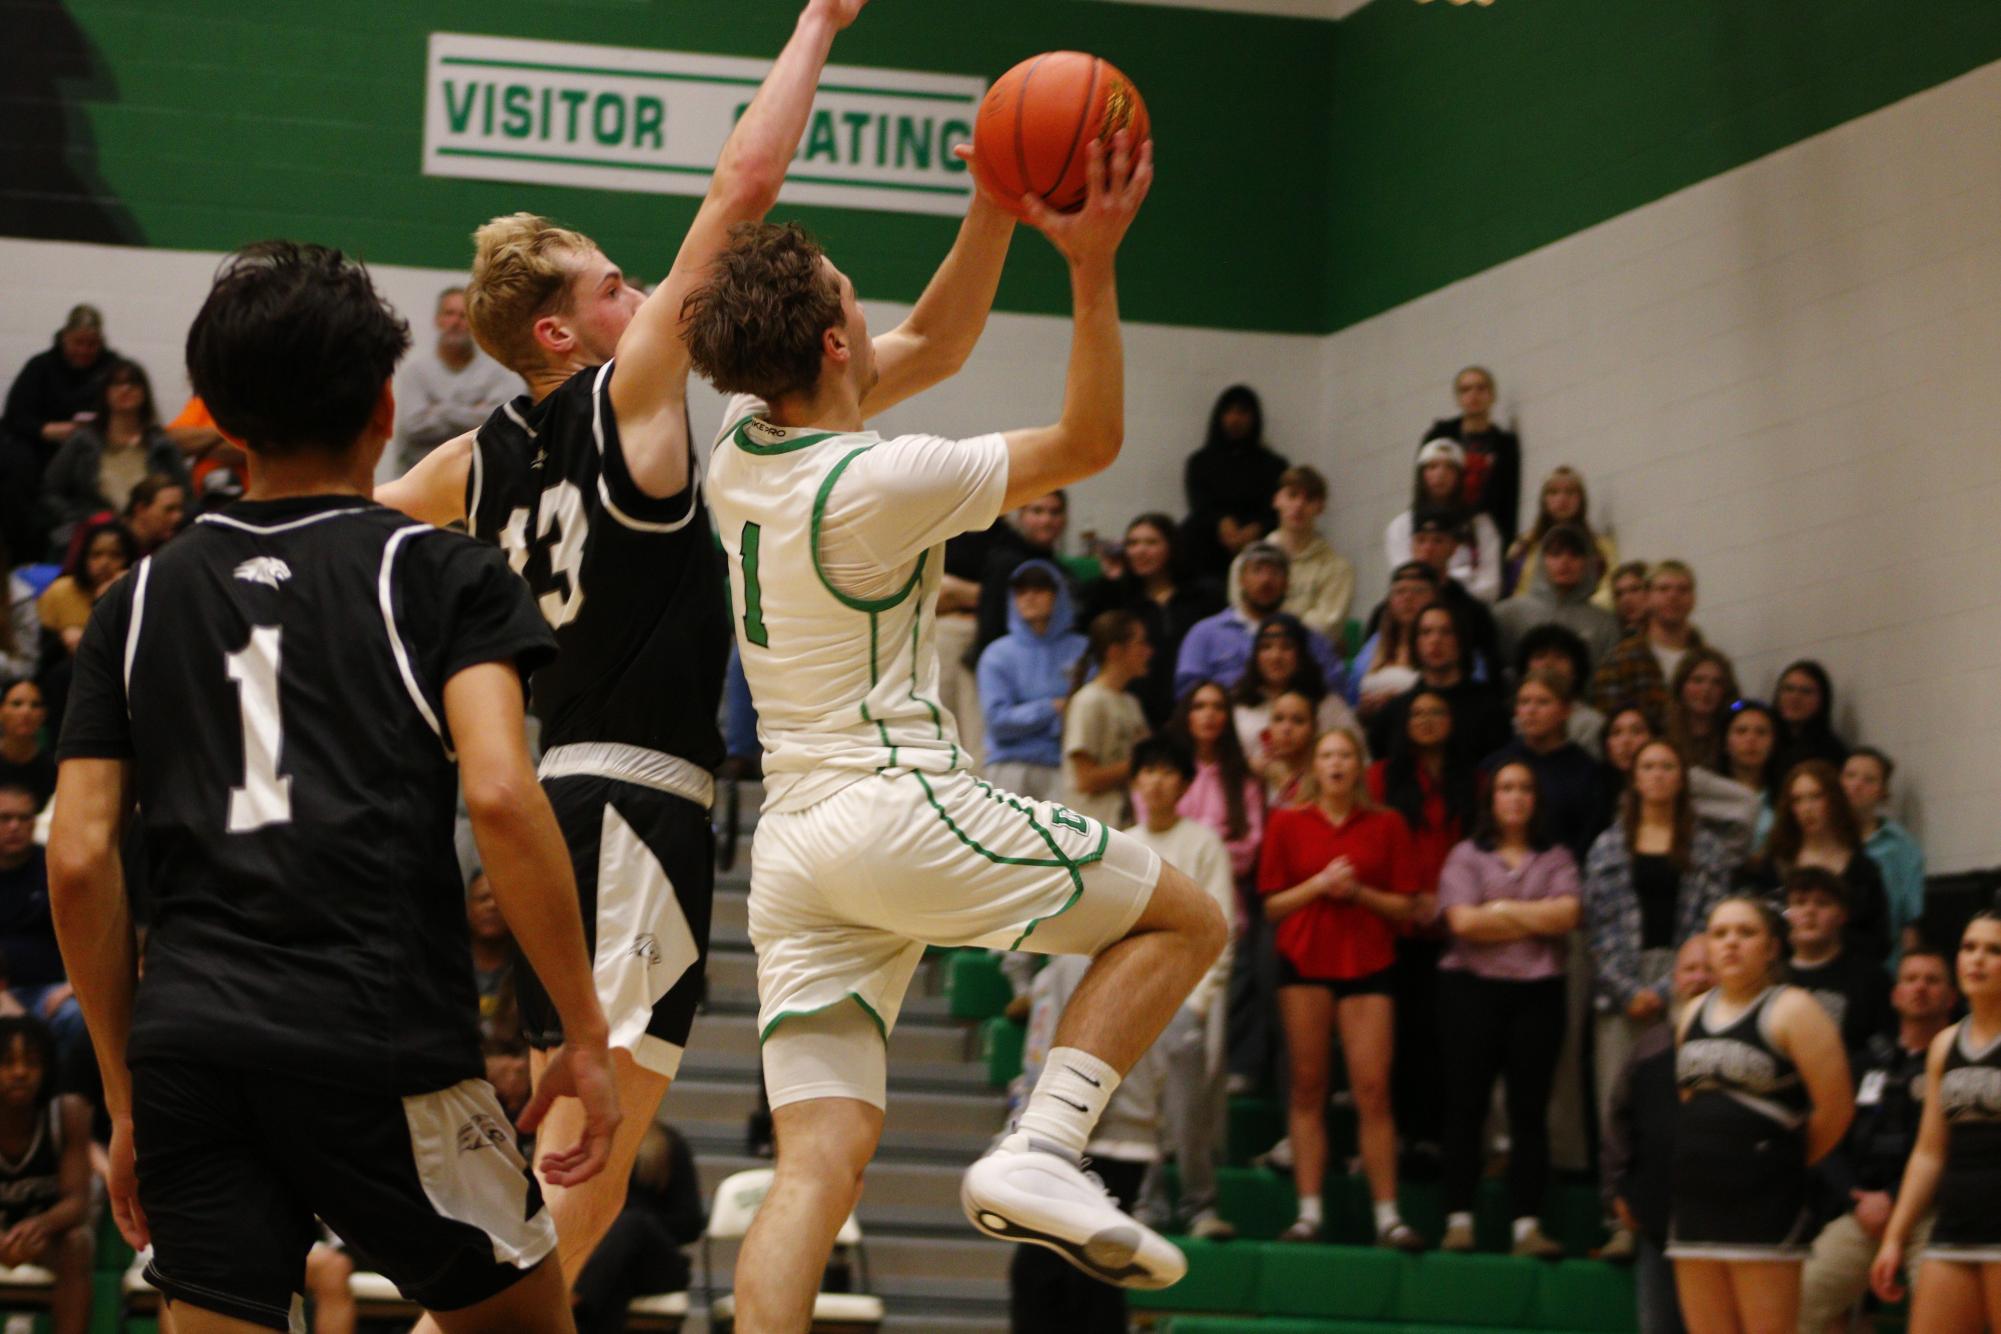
{"points": [[7, 684], [7, 644], [148, 489], [1705, 752], [149, 413], [756, 323], [1768, 917], [1169, 534], [1566, 537], [1550, 637], [1109, 629], [1235, 769], [87, 533], [1883, 762], [15, 788], [1818, 880], [1769, 779], [1237, 395], [40, 1041], [1458, 633], [1160, 750], [1305, 479], [1814, 737], [1487, 832], [1782, 845], [1403, 772], [292, 348], [1684, 806], [1929, 951], [1305, 679]]}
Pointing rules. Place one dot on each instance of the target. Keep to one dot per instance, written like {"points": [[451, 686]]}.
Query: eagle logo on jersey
{"points": [[268, 570], [480, 1131]]}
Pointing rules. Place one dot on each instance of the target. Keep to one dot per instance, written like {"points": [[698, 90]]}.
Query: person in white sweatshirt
{"points": [[1191, 1049], [1440, 483]]}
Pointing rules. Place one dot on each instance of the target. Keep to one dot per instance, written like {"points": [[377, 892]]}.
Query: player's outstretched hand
{"points": [[584, 1073], [1116, 185], [122, 1184], [839, 12]]}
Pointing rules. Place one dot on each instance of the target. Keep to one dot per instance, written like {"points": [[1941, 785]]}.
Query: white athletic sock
{"points": [[1524, 1226], [1309, 1209], [1386, 1216], [1068, 1098], [1459, 1218]]}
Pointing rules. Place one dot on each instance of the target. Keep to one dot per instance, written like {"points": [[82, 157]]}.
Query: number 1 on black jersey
{"points": [[265, 797]]}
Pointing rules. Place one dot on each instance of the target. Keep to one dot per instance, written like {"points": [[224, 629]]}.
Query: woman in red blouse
{"points": [[1338, 876]]}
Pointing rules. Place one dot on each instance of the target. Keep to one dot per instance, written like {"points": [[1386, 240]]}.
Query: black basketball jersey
{"points": [[634, 586], [33, 1184], [276, 677]]}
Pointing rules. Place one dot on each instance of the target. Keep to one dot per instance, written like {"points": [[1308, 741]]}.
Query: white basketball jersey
{"points": [[834, 546]]}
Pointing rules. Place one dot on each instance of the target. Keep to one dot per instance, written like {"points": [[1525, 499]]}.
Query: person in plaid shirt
{"points": [[1639, 667]]}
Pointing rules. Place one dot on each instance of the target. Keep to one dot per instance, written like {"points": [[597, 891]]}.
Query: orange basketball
{"points": [[1032, 127]]}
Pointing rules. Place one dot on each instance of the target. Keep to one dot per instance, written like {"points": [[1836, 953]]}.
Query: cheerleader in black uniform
{"points": [[1765, 1094], [1957, 1160]]}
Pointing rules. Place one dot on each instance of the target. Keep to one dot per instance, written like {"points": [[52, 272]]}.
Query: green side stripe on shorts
{"points": [[1070, 865], [854, 996]]}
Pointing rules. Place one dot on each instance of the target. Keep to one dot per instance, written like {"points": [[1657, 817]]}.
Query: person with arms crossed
{"points": [[832, 535], [589, 484], [305, 1041]]}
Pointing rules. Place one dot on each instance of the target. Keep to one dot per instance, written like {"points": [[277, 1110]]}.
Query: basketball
{"points": [[1030, 134]]}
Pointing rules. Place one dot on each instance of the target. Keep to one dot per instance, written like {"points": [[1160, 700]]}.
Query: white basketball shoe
{"points": [[1029, 1190]]}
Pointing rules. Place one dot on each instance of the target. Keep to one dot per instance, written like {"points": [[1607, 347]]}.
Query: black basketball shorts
{"points": [[235, 1164], [645, 862]]}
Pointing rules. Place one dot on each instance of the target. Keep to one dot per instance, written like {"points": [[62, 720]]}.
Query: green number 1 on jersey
{"points": [[753, 595]]}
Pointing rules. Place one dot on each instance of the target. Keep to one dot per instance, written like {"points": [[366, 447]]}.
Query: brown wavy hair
{"points": [[754, 326], [1782, 845]]}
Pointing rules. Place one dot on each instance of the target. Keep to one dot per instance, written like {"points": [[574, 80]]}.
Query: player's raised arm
{"points": [[650, 386], [1087, 438], [528, 865], [944, 326]]}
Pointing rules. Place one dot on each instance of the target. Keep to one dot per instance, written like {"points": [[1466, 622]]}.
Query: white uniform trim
{"points": [[132, 630], [478, 483], [287, 526], [383, 595], [604, 488], [631, 764]]}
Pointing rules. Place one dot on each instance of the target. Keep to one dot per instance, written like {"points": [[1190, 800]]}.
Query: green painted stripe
{"points": [[736, 81], [561, 160]]}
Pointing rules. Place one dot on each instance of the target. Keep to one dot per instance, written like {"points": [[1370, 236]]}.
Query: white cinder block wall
{"points": [[1785, 375], [1015, 378], [1782, 375]]}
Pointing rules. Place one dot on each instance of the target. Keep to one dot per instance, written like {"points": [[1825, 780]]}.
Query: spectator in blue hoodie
{"points": [[1025, 682]]}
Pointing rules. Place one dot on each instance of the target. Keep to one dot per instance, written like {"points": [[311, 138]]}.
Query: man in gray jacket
{"points": [[1559, 593]]}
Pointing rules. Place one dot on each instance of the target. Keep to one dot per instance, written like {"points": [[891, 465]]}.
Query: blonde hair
{"points": [[1309, 782], [519, 275]]}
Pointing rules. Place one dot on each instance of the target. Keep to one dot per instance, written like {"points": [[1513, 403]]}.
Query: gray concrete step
{"points": [[898, 1196]]}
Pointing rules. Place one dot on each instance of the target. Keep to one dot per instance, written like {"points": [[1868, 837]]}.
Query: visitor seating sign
{"points": [[617, 118]]}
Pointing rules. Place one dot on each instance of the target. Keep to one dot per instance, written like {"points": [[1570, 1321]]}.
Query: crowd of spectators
{"points": [[1471, 835], [1467, 836]]}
